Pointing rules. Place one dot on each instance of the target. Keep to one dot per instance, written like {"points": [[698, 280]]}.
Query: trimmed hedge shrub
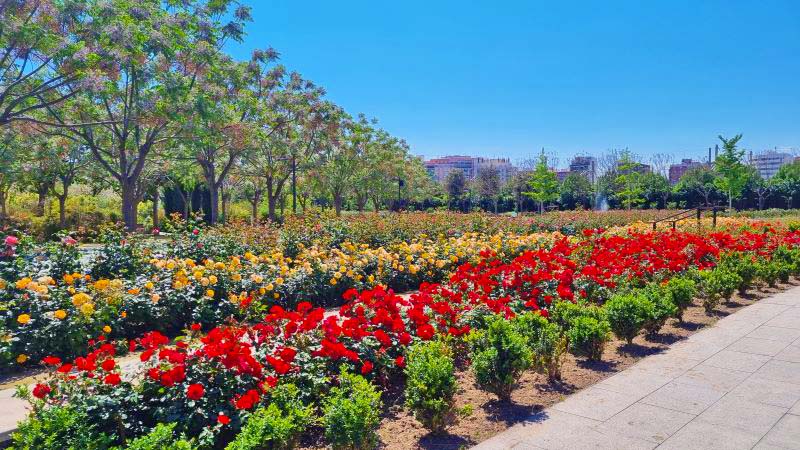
{"points": [[351, 413], [162, 437], [588, 336], [718, 284], [276, 426], [431, 384], [628, 313], [682, 291], [58, 428], [545, 340], [499, 356]]}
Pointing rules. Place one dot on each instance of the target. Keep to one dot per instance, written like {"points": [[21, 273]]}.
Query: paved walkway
{"points": [[735, 385]]}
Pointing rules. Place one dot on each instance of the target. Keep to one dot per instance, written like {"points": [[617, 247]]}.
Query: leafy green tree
{"points": [[456, 186], [758, 186], [656, 189], [698, 181], [488, 184], [156, 52], [44, 56], [732, 173], [787, 182], [576, 190], [629, 188], [543, 184]]}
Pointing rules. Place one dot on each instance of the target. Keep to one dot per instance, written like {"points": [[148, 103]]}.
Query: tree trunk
{"points": [[226, 199], [337, 203], [155, 209], [3, 210], [62, 210], [129, 204], [41, 191], [254, 202], [213, 199]]}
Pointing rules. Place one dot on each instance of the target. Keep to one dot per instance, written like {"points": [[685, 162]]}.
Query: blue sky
{"points": [[508, 78]]}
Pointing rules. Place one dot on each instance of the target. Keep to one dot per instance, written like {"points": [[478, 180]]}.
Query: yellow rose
{"points": [[333, 281], [279, 281], [106, 329], [80, 298], [212, 279], [2, 284], [22, 358], [23, 283], [87, 309], [60, 314], [210, 293], [123, 314], [23, 319], [149, 285], [155, 298]]}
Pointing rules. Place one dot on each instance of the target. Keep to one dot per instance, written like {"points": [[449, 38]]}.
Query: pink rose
{"points": [[11, 241]]}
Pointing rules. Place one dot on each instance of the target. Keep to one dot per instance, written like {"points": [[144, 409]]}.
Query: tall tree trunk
{"points": [[129, 205], [62, 211], [3, 208], [337, 202], [254, 202], [41, 192], [226, 199], [155, 209]]}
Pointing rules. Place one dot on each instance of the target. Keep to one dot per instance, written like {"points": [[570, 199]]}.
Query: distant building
{"points": [[562, 174], [439, 168], [676, 171], [767, 163], [585, 165], [504, 168], [637, 167]]}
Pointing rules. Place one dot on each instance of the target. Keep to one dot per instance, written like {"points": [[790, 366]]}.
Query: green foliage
{"points": [[628, 313], [543, 184], [576, 190], [742, 264], [768, 271], [277, 426], [717, 284], [681, 291], [563, 313], [430, 384], [59, 428], [546, 342], [351, 413], [499, 355], [588, 336], [629, 189], [732, 173], [663, 307], [162, 437]]}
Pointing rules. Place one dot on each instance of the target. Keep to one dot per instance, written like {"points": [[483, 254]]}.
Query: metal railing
{"points": [[687, 213]]}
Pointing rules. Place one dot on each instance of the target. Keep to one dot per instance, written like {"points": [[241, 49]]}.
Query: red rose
{"points": [[52, 360], [223, 419], [366, 368], [195, 391], [112, 379], [65, 368], [195, 327], [400, 361], [247, 400], [41, 390], [108, 365]]}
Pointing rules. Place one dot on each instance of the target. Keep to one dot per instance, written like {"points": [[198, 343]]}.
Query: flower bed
{"points": [[505, 314], [52, 305]]}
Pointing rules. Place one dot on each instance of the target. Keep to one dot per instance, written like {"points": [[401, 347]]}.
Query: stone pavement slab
{"points": [[735, 385]]}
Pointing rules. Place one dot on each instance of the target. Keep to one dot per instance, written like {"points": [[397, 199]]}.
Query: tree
{"points": [[758, 186], [787, 182], [43, 56], [488, 184], [543, 184], [12, 145], [732, 173], [699, 181], [655, 188], [456, 186], [67, 166], [576, 190], [628, 181], [157, 52]]}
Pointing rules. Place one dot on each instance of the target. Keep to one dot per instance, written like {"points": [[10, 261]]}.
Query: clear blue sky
{"points": [[495, 78]]}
